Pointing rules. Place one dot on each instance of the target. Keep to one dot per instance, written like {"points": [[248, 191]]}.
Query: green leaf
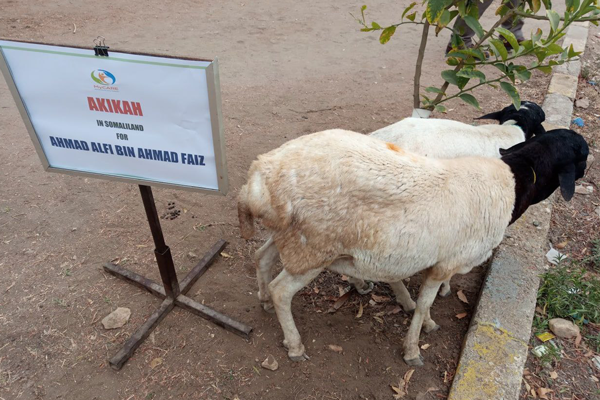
{"points": [[440, 108], [407, 9], [375, 26], [501, 67], [462, 8], [536, 36], [475, 25], [432, 89], [475, 53], [362, 12], [545, 69], [458, 54], [471, 73], [509, 36], [500, 50], [572, 52], [469, 99], [473, 9], [412, 16], [535, 6], [502, 10], [387, 34], [554, 19], [572, 5], [456, 41], [540, 53], [547, 4], [450, 76], [527, 45], [444, 20], [523, 75], [553, 49], [435, 9], [512, 93]]}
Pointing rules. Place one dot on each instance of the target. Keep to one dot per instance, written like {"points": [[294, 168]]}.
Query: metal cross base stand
{"points": [[172, 291]]}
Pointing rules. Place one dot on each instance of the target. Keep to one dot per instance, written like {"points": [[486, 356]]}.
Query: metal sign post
{"points": [[173, 292], [120, 129]]}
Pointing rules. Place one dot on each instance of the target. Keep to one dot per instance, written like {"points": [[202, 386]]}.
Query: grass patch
{"points": [[569, 291]]}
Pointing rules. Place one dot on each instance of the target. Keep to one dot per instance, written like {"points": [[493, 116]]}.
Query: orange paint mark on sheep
{"points": [[393, 147]]}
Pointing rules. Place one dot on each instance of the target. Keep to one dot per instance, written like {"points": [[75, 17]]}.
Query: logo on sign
{"points": [[104, 80]]}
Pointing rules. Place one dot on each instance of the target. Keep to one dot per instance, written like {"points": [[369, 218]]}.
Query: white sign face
{"points": [[140, 118]]}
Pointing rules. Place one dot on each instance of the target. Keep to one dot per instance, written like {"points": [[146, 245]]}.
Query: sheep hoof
{"points": [[410, 310], [434, 328], [268, 306], [444, 293], [300, 358], [368, 290], [415, 362]]}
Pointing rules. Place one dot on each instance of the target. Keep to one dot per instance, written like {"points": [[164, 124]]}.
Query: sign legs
{"points": [[173, 292]]}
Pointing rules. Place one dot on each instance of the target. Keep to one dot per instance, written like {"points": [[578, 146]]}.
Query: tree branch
{"points": [[417, 81], [461, 64], [544, 18]]}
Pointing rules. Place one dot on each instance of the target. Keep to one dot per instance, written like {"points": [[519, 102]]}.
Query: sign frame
{"points": [[216, 117]]}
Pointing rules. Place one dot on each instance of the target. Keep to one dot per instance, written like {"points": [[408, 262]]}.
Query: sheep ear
{"points": [[566, 178], [539, 130], [495, 115]]}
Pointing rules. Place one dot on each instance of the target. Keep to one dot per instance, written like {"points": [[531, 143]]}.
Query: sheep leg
{"points": [[266, 257], [283, 288], [402, 296], [362, 287], [429, 289], [445, 291]]}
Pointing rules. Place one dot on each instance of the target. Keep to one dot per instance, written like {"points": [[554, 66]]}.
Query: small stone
{"points": [[270, 363], [191, 254], [585, 190], [563, 328], [582, 103], [117, 318], [596, 361], [536, 223], [337, 349], [561, 245]]}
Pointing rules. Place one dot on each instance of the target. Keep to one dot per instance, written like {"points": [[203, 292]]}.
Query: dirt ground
{"points": [[575, 225], [287, 68]]}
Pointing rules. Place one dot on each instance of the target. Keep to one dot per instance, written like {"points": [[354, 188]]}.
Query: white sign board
{"points": [[138, 118]]}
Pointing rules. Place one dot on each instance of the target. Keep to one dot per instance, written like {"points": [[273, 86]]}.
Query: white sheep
{"points": [[444, 138], [365, 208]]}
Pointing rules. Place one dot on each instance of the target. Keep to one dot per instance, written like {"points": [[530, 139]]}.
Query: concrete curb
{"points": [[496, 345]]}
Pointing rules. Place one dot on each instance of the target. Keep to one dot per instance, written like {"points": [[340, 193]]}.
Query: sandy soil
{"points": [[287, 68]]}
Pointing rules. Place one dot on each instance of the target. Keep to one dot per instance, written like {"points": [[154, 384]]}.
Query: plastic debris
{"points": [[554, 256], [544, 337], [579, 122], [540, 350]]}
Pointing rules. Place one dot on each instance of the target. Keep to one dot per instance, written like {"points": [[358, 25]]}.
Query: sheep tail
{"points": [[254, 201], [245, 214]]}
